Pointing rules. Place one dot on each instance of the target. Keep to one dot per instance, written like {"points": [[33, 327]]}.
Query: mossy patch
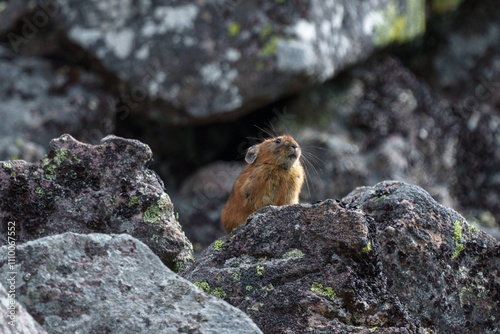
{"points": [[218, 245], [50, 172], [237, 275], [318, 289], [152, 214], [367, 248], [39, 191], [179, 266], [61, 155], [265, 30], [134, 200], [269, 49], [260, 270], [457, 237], [204, 286], [219, 293], [400, 27], [7, 164], [233, 28], [293, 254], [472, 229]]}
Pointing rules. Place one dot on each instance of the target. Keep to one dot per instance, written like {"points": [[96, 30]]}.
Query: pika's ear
{"points": [[251, 154]]}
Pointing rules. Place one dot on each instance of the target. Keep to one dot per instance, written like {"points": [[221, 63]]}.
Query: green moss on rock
{"points": [[367, 248], [269, 49], [318, 289], [457, 237], [134, 200], [233, 28], [400, 27], [204, 286], [219, 293], [293, 254], [152, 214]]}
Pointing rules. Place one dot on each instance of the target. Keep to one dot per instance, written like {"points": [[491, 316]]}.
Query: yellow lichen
{"points": [[400, 27], [457, 237], [219, 293], [204, 286], [218, 245], [260, 269], [367, 248], [233, 28], [269, 49], [323, 291]]}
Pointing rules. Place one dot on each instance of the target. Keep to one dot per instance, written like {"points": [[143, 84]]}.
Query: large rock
{"points": [[385, 259], [210, 58], [465, 67], [13, 317], [41, 100], [465, 64], [81, 188], [99, 283]]}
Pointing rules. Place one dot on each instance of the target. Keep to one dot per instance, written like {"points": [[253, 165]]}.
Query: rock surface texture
{"points": [[210, 58], [22, 323], [40, 101], [81, 188], [96, 283], [385, 259]]}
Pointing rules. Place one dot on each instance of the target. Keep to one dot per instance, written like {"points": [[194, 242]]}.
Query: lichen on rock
{"points": [[82, 188], [384, 258], [108, 283]]}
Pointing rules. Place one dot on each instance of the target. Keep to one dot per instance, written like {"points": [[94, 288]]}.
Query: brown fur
{"points": [[273, 176]]}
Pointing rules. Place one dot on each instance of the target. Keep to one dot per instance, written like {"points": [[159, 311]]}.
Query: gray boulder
{"points": [[13, 317], [385, 259], [41, 100], [81, 188], [99, 283], [209, 58]]}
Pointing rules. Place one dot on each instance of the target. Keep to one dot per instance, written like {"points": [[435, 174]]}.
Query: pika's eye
{"points": [[278, 141]]}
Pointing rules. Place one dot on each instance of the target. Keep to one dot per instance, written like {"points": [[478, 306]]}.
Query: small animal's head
{"points": [[281, 151]]}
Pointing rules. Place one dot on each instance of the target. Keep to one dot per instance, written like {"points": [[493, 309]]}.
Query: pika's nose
{"points": [[294, 146]]}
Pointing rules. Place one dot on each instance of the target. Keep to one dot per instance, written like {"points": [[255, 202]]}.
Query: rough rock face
{"points": [[466, 69], [82, 188], [22, 323], [466, 62], [40, 101], [385, 259], [96, 283], [214, 57]]}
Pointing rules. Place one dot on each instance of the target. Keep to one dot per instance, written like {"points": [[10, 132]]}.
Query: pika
{"points": [[274, 176]]}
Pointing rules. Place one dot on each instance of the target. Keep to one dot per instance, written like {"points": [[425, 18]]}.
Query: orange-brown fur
{"points": [[273, 176]]}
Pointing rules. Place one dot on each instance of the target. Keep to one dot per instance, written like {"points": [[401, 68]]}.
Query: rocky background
{"points": [[405, 90]]}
